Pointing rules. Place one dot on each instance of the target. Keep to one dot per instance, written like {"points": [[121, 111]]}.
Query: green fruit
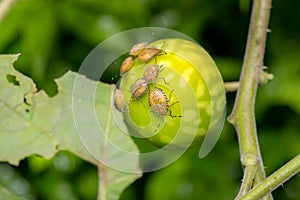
{"points": [[194, 95]]}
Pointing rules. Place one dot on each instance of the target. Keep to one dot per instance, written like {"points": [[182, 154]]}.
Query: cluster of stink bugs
{"points": [[157, 99]]}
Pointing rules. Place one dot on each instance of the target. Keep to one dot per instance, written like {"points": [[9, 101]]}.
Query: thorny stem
{"points": [[275, 180], [249, 173], [242, 116]]}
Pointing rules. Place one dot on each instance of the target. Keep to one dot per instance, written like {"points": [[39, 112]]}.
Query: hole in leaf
{"points": [[25, 100], [12, 79]]}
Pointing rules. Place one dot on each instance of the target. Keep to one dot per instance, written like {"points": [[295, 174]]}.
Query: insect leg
{"points": [[173, 116]]}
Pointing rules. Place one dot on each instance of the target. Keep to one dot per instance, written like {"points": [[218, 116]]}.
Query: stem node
{"points": [[249, 159]]}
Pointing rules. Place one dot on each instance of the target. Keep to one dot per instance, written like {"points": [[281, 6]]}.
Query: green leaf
{"points": [[5, 194], [33, 123], [20, 137]]}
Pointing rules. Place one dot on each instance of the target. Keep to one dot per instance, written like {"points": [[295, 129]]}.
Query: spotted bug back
{"points": [[126, 65], [136, 49], [139, 88]]}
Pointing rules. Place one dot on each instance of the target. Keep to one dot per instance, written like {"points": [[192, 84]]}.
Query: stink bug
{"points": [[147, 54], [136, 49], [138, 88], [119, 99], [151, 73], [159, 104], [126, 65]]}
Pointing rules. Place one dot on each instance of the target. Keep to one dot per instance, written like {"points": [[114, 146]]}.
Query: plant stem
{"points": [[275, 180], [102, 181], [231, 86], [242, 116], [249, 173]]}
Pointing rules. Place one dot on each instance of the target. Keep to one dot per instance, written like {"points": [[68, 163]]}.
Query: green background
{"points": [[55, 36]]}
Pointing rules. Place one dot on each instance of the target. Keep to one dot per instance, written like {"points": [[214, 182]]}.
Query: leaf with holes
{"points": [[33, 123]]}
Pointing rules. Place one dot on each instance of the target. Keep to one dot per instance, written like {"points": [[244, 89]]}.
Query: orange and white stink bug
{"points": [[159, 103], [119, 99], [126, 65], [151, 73], [147, 54], [139, 88], [136, 49]]}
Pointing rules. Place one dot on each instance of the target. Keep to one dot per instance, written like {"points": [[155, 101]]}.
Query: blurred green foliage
{"points": [[54, 36]]}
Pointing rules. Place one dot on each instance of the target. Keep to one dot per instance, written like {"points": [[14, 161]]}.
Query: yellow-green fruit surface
{"points": [[192, 84]]}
